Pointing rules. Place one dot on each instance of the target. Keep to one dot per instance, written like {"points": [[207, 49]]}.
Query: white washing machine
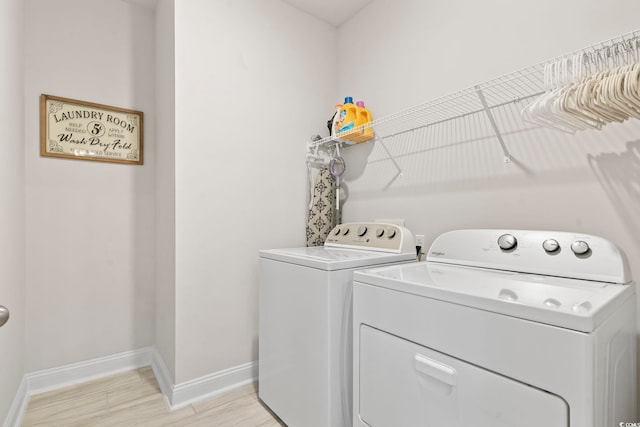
{"points": [[498, 328], [305, 326]]}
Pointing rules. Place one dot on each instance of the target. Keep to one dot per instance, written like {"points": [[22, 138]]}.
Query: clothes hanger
{"points": [[569, 110], [591, 102], [628, 89], [557, 108], [567, 107], [632, 85], [589, 89], [542, 112], [603, 100], [617, 97], [612, 92]]}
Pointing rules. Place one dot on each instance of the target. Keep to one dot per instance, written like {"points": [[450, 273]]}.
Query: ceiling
{"points": [[151, 4], [334, 12]]}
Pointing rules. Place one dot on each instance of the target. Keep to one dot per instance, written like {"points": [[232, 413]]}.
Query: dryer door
{"points": [[404, 384]]}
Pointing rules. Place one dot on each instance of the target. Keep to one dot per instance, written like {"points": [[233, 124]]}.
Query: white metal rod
{"points": [[390, 155], [507, 155]]}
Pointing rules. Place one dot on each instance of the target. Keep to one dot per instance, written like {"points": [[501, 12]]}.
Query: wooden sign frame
{"points": [[82, 130]]}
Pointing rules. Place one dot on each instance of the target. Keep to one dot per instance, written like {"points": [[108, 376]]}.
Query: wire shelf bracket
{"points": [[494, 125], [389, 155]]}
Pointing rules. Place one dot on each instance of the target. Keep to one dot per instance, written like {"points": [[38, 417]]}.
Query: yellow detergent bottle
{"points": [[347, 120], [363, 127]]}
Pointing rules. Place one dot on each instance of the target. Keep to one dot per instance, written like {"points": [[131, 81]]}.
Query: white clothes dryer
{"points": [[498, 328], [305, 320]]}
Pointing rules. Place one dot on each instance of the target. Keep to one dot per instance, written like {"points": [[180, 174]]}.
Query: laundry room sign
{"points": [[84, 130]]}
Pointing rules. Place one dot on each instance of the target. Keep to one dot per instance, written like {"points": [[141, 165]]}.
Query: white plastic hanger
{"points": [[590, 89]]}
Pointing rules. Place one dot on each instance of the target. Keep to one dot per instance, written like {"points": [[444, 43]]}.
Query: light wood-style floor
{"points": [[133, 398]]}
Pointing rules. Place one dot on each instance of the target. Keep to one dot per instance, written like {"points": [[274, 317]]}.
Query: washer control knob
{"points": [[362, 230], [580, 247], [380, 232], [507, 242], [345, 231], [391, 233], [337, 231], [550, 245]]}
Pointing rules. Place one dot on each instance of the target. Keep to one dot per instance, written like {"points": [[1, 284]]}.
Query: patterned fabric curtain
{"points": [[323, 215]]}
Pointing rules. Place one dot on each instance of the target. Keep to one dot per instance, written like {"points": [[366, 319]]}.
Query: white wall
{"points": [[409, 52], [252, 81], [399, 54], [165, 185], [12, 225], [91, 226]]}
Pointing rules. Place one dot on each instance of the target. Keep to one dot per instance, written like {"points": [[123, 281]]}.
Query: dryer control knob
{"points": [[337, 232], [345, 231], [391, 233], [362, 230], [550, 245], [380, 232], [507, 242], [580, 247]]}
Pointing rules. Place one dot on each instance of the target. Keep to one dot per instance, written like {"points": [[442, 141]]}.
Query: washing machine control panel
{"points": [[371, 236]]}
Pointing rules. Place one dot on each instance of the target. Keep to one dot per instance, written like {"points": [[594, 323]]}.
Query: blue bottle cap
{"points": [[348, 100]]}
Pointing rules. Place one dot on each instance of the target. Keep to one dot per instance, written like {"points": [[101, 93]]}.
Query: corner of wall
{"points": [[18, 406], [178, 396]]}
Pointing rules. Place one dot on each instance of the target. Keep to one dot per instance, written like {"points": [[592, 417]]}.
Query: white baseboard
{"points": [[210, 385], [49, 379], [74, 373], [18, 407], [180, 395], [176, 395], [163, 377]]}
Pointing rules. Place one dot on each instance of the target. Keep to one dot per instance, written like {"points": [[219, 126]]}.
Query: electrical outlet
{"points": [[420, 240]]}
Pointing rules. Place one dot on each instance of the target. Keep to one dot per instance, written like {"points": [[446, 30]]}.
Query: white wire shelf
{"points": [[524, 85]]}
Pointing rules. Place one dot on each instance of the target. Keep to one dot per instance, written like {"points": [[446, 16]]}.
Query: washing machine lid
{"points": [[329, 259], [569, 280]]}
